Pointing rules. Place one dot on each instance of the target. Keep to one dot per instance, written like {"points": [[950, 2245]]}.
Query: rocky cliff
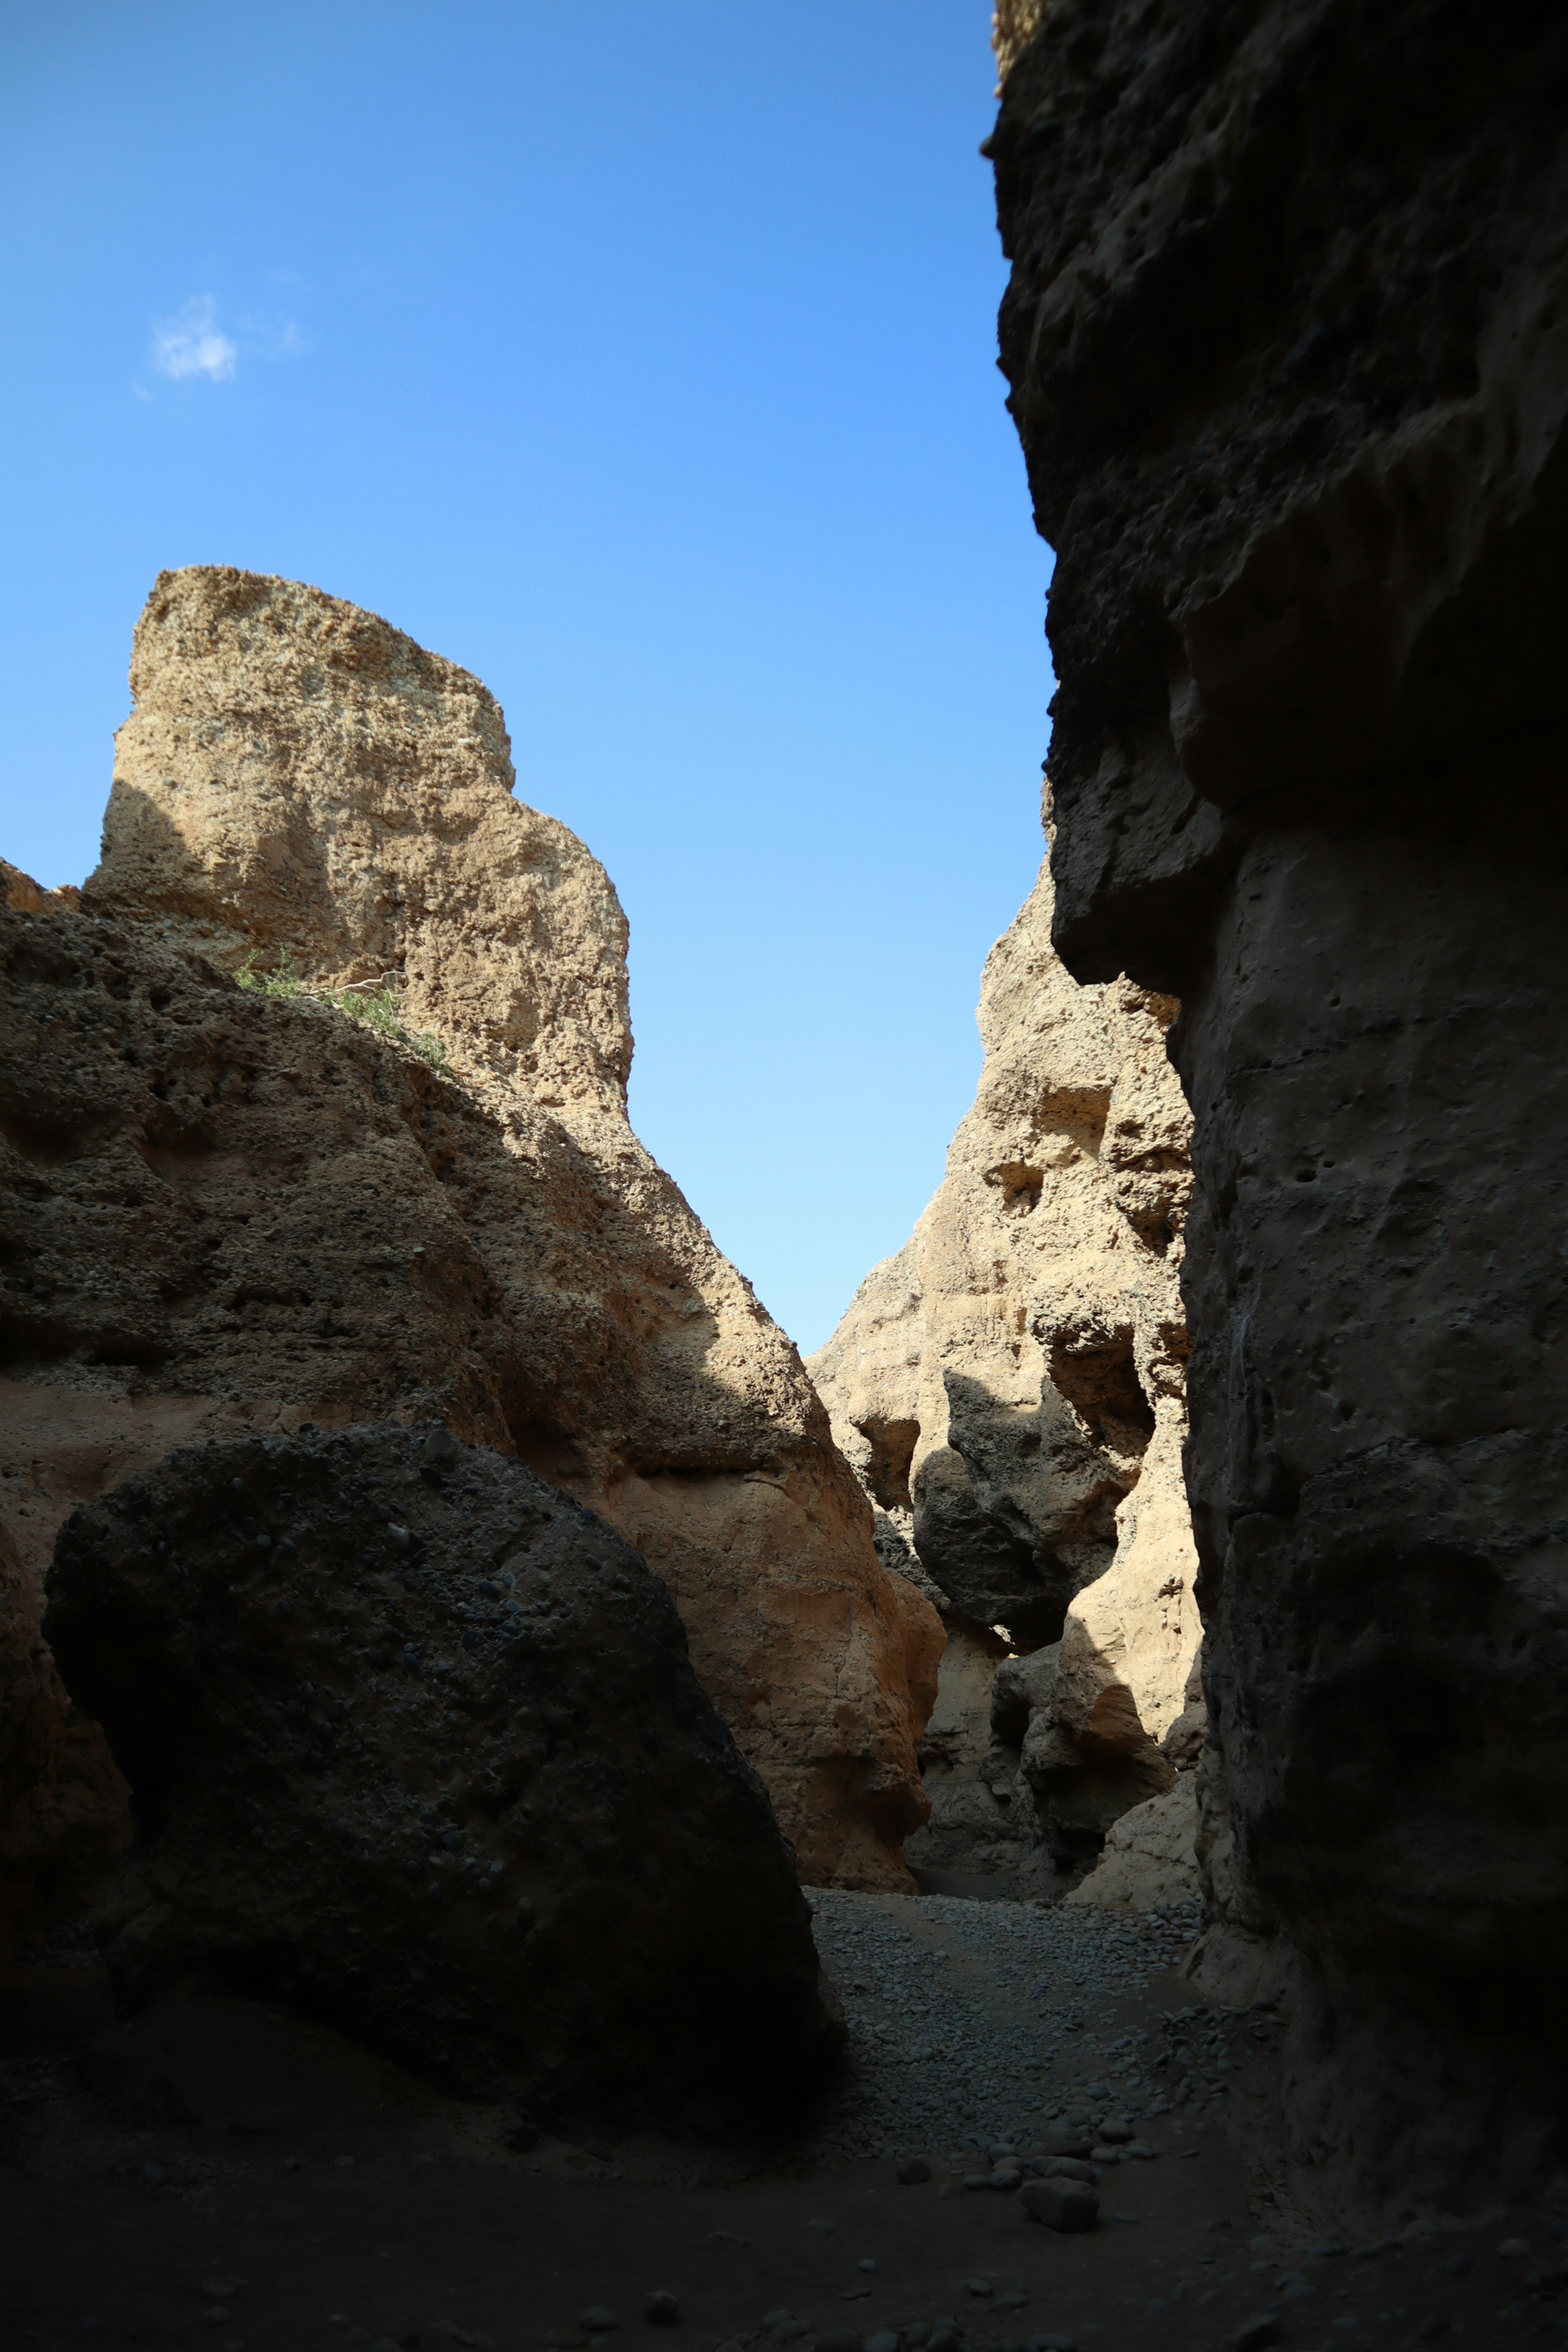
{"points": [[229, 1208], [1010, 1390], [1287, 338]]}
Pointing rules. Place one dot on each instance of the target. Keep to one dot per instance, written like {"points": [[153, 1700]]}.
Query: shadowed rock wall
{"points": [[1287, 337], [257, 1204]]}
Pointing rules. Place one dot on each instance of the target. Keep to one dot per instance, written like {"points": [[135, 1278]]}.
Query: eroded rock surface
{"points": [[1287, 335], [414, 1741], [256, 1201], [1010, 1390], [1149, 1861]]}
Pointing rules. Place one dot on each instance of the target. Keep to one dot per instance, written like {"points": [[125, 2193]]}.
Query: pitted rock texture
{"points": [[1286, 334], [253, 1200], [299, 779], [414, 1741], [1287, 338], [1010, 1390]]}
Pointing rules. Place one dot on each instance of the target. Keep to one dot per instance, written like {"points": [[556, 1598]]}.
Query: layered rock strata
{"points": [[414, 1741], [1287, 337], [251, 1201], [1009, 1389]]}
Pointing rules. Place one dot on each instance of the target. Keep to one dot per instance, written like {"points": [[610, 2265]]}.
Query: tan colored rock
{"points": [[255, 1198], [1149, 1860], [18, 890], [299, 779], [1013, 25], [972, 1781], [1009, 1389]]}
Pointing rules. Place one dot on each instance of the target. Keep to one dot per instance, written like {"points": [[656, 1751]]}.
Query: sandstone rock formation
{"points": [[414, 1741], [1149, 1861], [1009, 1389], [1013, 25], [253, 1204], [1287, 337]]}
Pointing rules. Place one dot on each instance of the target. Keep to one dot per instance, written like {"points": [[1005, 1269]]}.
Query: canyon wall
{"points": [[1286, 338], [1009, 1389], [226, 1209]]}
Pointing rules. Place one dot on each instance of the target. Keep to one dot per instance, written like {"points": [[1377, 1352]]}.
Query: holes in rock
{"points": [[892, 1444], [1100, 1380], [1019, 1185], [53, 1137]]}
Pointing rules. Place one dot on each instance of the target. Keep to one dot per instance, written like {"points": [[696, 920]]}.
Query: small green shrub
{"points": [[374, 1008], [284, 981]]}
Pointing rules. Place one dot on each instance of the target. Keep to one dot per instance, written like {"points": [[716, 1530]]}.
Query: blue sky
{"points": [[640, 358]]}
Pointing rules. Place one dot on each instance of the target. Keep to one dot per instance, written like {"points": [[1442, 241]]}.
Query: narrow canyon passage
{"points": [[260, 2185]]}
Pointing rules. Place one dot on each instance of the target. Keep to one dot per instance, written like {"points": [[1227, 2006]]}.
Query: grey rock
{"points": [[1064, 2205], [661, 2309], [912, 2170], [257, 1748], [598, 2319]]}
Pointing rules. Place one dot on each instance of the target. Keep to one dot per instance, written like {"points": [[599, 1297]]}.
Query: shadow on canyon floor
{"points": [[257, 2183]]}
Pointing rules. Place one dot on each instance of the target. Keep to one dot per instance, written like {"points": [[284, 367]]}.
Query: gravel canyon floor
{"points": [[257, 2184]]}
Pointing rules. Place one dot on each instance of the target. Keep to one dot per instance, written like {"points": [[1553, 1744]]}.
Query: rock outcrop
{"points": [[1149, 1861], [1009, 1389], [1287, 337], [413, 1740], [249, 1201]]}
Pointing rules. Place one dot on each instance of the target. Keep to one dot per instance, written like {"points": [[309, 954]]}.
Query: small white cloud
{"points": [[192, 345]]}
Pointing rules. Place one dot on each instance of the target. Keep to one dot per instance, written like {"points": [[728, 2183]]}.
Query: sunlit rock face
{"points": [[1010, 1390], [257, 1203], [1287, 338]]}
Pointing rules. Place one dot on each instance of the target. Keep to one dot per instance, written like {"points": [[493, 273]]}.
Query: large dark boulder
{"points": [[413, 1740]]}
